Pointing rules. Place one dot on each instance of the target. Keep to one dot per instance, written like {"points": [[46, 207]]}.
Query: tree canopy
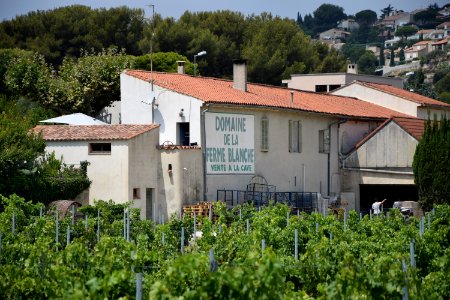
{"points": [[366, 16], [405, 31]]}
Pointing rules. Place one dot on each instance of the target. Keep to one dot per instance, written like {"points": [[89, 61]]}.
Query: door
{"points": [[149, 204]]}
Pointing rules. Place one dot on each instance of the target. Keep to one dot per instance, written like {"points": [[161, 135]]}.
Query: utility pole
{"points": [[151, 42]]}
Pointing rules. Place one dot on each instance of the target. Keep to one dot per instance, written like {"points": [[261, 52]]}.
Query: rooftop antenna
{"points": [[151, 43]]}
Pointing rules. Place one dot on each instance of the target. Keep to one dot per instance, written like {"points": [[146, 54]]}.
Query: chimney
{"points": [[180, 69], [292, 97], [240, 74], [352, 69]]}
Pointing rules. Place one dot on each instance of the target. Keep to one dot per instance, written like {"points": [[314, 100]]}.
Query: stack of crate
{"points": [[200, 209]]}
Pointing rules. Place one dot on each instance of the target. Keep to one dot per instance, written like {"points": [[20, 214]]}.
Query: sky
{"points": [[175, 8]]}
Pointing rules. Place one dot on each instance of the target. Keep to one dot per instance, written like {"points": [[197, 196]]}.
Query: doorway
{"points": [[183, 133]]}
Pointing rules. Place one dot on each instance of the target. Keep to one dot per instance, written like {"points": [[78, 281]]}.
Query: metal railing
{"points": [[302, 200]]}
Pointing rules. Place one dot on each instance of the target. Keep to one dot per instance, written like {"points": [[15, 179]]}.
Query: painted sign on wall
{"points": [[230, 147]]}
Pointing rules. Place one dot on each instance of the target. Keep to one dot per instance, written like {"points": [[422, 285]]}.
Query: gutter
{"points": [[203, 145], [379, 171], [329, 152]]}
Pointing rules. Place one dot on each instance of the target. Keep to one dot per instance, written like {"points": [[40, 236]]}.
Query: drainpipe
{"points": [[329, 153], [203, 141]]}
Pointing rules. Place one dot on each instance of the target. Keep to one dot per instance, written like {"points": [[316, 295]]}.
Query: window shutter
{"points": [[264, 134]]}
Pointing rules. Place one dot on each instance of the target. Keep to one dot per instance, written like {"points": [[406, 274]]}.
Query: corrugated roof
{"points": [[414, 126], [212, 90], [91, 132], [424, 101]]}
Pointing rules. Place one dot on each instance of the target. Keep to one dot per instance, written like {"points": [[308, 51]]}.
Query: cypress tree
{"points": [[382, 60], [431, 164], [392, 60]]}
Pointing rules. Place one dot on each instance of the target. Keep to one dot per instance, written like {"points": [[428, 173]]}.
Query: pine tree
{"points": [[431, 164]]}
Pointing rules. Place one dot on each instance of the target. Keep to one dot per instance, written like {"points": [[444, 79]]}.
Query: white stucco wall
{"points": [[142, 172], [380, 98], [108, 173], [278, 166], [111, 114], [391, 147], [308, 82], [351, 132], [184, 185], [426, 112], [167, 109]]}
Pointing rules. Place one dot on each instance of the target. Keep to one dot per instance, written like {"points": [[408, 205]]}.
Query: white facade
{"points": [[169, 109], [393, 102], [123, 175], [327, 82], [385, 159]]}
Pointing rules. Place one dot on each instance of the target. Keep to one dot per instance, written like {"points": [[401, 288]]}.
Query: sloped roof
{"points": [[414, 126], [91, 132], [75, 119], [443, 25], [422, 100], [220, 91], [441, 42], [422, 43]]}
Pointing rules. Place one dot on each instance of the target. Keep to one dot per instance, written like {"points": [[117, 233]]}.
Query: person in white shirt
{"points": [[376, 207]]}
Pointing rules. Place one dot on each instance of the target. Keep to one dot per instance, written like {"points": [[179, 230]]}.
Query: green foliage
{"points": [[405, 31], [353, 52], [89, 83], [361, 260], [24, 168], [367, 63], [163, 62], [401, 55], [431, 164], [392, 59], [63, 32], [386, 11], [29, 76], [367, 17], [327, 16]]}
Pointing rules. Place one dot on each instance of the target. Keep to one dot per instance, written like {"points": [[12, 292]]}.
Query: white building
{"points": [[327, 82], [121, 159], [289, 138], [397, 99]]}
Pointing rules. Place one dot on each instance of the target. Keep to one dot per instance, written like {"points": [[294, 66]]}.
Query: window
{"points": [[332, 87], [295, 136], [321, 88], [183, 134], [136, 193], [100, 148], [324, 141], [264, 134]]}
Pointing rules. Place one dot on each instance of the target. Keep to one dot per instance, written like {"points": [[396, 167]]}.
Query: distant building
{"points": [[326, 82], [395, 98], [348, 25], [334, 34], [396, 20]]}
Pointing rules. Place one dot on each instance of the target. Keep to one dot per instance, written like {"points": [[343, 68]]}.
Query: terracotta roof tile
{"points": [[424, 101], [414, 126], [441, 42], [443, 25], [422, 43], [212, 90], [91, 132]]}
